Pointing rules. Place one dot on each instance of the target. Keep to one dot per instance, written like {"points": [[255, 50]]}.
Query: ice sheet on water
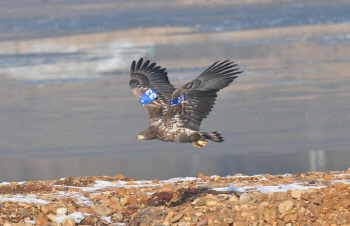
{"points": [[56, 61]]}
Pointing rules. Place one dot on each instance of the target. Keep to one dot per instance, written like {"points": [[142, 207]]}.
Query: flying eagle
{"points": [[176, 114]]}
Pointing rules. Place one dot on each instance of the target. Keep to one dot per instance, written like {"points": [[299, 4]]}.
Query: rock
{"points": [[245, 214], [201, 223], [296, 194], [317, 200], [22, 224], [101, 210], [340, 186], [51, 216], [41, 222], [71, 209], [194, 219], [123, 201], [263, 205], [206, 178], [200, 202], [132, 200], [223, 197], [45, 209], [118, 216], [168, 218], [24, 212], [141, 194], [234, 199], [209, 196], [290, 217], [270, 216], [324, 211], [346, 203], [304, 197], [149, 216], [211, 202], [210, 218], [155, 181], [198, 214], [176, 218], [245, 197], [200, 176], [88, 220], [68, 222], [285, 206], [7, 224], [228, 220], [85, 210], [184, 211], [217, 178], [316, 212], [42, 216], [119, 177], [236, 207]]}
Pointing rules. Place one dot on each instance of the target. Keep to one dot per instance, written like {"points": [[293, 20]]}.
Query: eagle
{"points": [[175, 115]]}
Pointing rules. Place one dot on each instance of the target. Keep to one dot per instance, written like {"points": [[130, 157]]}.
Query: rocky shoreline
{"points": [[318, 198]]}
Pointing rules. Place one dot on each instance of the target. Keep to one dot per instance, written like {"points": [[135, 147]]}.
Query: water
{"points": [[66, 108], [177, 165], [57, 18]]}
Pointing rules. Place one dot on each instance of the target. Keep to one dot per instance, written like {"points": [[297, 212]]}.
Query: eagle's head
{"points": [[148, 134]]}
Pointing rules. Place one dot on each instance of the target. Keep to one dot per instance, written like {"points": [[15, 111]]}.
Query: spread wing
{"points": [[196, 98], [146, 76]]}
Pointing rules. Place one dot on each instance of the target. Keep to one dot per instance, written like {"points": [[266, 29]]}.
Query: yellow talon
{"points": [[202, 143], [196, 145], [199, 143]]}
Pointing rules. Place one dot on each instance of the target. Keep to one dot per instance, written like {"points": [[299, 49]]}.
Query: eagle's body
{"points": [[176, 114]]}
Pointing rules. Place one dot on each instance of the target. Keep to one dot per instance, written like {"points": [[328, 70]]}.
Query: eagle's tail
{"points": [[214, 136]]}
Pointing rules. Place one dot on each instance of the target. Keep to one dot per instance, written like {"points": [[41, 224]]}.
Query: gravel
{"points": [[318, 198]]}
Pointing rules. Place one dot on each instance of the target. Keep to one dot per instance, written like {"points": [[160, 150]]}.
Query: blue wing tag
{"points": [[148, 96], [177, 100]]}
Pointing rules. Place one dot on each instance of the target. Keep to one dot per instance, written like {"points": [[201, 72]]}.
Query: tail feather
{"points": [[214, 136]]}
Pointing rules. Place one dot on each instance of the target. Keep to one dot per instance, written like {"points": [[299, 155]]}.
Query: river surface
{"points": [[66, 109]]}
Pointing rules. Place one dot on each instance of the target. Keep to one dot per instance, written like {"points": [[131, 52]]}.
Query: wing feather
{"points": [[201, 94], [139, 63], [145, 65], [146, 76]]}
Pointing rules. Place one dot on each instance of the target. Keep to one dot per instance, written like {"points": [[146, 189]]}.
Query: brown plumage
{"points": [[175, 115]]}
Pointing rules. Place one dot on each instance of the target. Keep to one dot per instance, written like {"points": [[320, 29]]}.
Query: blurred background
{"points": [[66, 109]]}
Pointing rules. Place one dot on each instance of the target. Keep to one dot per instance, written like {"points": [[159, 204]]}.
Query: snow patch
{"points": [[176, 179], [23, 198], [266, 189], [76, 216]]}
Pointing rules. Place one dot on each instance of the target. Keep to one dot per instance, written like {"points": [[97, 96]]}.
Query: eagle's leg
{"points": [[195, 144], [202, 142], [199, 143]]}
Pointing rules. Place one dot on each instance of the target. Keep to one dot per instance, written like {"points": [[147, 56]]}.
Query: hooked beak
{"points": [[140, 137]]}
